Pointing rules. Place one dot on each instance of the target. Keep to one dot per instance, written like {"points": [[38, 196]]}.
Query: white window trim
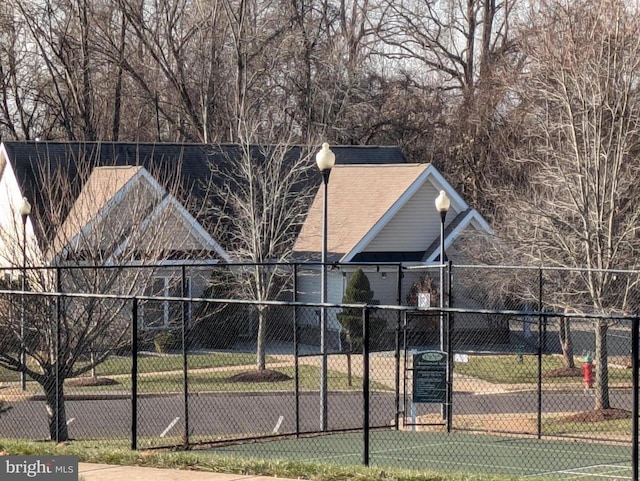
{"points": [[167, 279]]}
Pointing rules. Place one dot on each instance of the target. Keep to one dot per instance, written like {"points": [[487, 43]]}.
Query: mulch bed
{"points": [[565, 372], [596, 416], [91, 381], [259, 376]]}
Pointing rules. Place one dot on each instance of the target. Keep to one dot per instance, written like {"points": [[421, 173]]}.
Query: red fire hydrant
{"points": [[587, 371]]}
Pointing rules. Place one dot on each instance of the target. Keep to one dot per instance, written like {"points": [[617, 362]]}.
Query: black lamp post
{"points": [[25, 211], [325, 159], [442, 206]]}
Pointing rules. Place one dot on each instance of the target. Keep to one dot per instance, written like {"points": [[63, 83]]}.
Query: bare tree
{"points": [[266, 195], [89, 241], [462, 54], [580, 142], [566, 342], [23, 111]]}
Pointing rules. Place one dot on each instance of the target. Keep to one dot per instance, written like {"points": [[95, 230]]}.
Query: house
{"points": [[103, 203], [381, 218]]}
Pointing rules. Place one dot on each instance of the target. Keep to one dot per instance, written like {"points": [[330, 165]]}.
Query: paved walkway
{"points": [[106, 472]]}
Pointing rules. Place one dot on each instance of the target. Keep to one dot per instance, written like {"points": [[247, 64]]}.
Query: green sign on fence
{"points": [[430, 377]]}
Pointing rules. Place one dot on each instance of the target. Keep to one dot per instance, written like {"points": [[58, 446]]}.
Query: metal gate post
{"points": [[365, 386]]}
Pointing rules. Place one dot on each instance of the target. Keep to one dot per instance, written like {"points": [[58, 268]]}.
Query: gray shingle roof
{"points": [[29, 159]]}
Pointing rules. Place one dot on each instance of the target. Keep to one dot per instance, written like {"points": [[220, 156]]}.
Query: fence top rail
{"points": [[196, 263], [543, 268], [399, 265], [373, 307]]}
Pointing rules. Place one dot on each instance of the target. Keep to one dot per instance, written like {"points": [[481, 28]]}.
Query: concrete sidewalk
{"points": [[107, 472]]}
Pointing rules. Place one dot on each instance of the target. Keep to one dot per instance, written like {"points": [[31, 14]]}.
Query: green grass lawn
{"points": [[119, 454], [620, 427], [501, 369], [119, 365], [509, 369], [173, 362], [218, 381]]}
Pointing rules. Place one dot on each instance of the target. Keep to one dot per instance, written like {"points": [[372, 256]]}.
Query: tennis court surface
{"points": [[457, 452]]}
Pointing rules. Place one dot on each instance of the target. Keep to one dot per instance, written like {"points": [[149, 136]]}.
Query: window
{"points": [[424, 299], [157, 314]]}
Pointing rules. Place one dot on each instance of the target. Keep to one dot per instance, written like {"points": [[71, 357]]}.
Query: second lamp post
{"points": [[25, 211], [442, 206], [325, 159]]}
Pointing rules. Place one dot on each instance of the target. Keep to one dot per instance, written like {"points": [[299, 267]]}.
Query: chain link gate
{"points": [[550, 403]]}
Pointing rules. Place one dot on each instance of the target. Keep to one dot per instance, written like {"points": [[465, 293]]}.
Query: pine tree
{"points": [[358, 291]]}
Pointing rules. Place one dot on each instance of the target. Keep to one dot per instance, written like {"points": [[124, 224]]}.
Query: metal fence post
{"points": [[58, 339], [397, 350], [134, 374], [542, 347], [397, 368], [540, 307], [296, 353], [365, 386], [635, 337], [185, 360], [541, 321], [450, 350]]}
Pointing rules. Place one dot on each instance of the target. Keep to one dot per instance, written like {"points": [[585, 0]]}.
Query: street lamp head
{"points": [[443, 203], [25, 209], [325, 158]]}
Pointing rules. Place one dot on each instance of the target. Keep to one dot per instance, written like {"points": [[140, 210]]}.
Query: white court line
{"points": [[171, 424], [278, 424], [586, 471]]}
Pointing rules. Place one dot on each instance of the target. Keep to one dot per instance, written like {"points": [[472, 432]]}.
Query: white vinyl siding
{"points": [[414, 227], [309, 291]]}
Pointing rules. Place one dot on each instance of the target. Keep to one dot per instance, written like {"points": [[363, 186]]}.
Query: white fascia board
{"points": [[440, 183], [385, 267], [115, 200], [437, 180], [169, 201], [197, 229], [473, 217], [205, 237]]}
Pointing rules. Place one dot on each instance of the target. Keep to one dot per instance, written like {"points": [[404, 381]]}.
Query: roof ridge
{"points": [[415, 164], [117, 167]]}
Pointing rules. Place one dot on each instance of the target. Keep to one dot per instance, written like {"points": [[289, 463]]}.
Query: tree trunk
{"points": [[601, 366], [566, 342], [54, 397], [260, 341], [349, 351]]}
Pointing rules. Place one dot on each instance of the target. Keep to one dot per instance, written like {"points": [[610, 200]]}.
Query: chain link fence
{"points": [[187, 357]]}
